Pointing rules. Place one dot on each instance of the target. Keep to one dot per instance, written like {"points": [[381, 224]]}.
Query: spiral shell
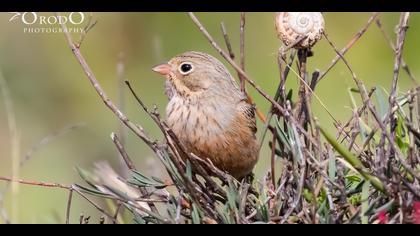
{"points": [[291, 25]]}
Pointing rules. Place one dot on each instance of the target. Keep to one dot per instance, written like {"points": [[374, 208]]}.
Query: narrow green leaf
{"points": [[365, 202], [332, 168], [86, 176], [283, 138], [141, 180], [402, 138], [195, 215], [93, 192], [383, 104], [189, 170]]}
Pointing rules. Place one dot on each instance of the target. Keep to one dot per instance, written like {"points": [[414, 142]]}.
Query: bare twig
{"points": [[297, 198], [94, 204], [117, 211], [92, 79], [69, 201], [227, 41], [232, 56], [127, 160], [402, 29], [89, 25], [280, 89], [35, 183], [242, 48], [302, 110], [273, 159], [122, 130], [350, 44], [391, 44]]}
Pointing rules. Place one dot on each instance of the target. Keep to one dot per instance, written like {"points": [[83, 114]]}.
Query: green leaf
{"points": [[308, 195], [289, 95], [283, 138], [352, 99], [138, 219], [365, 202], [195, 215], [93, 192], [86, 176], [141, 180], [172, 170], [402, 138], [232, 196], [353, 178], [296, 144], [189, 170], [332, 168], [262, 207], [383, 103]]}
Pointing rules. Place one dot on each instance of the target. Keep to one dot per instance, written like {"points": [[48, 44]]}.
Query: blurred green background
{"points": [[49, 90]]}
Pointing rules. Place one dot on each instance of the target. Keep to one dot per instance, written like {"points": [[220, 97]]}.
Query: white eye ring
{"points": [[183, 68]]}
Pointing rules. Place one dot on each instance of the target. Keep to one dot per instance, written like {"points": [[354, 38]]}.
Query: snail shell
{"points": [[291, 25]]}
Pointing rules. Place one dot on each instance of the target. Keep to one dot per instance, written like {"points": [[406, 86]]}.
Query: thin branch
{"points": [[349, 45], [273, 159], [227, 41], [280, 89], [127, 160], [402, 30], [242, 48], [94, 204], [89, 25], [69, 201], [122, 129], [35, 183], [301, 184], [232, 56], [92, 79], [391, 44], [117, 211]]}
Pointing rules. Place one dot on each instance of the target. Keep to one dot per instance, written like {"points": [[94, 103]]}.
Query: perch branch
{"points": [[402, 30], [35, 183]]}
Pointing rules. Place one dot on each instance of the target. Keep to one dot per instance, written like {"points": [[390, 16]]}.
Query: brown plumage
{"points": [[209, 113]]}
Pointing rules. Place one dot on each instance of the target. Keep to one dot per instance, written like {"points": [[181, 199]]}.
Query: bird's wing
{"points": [[249, 113]]}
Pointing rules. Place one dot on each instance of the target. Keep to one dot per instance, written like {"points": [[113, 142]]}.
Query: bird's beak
{"points": [[163, 69]]}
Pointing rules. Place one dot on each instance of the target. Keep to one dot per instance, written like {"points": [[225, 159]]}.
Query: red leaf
{"points": [[382, 217], [416, 212]]}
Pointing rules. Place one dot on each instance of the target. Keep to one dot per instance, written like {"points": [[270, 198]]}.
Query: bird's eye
{"points": [[185, 68]]}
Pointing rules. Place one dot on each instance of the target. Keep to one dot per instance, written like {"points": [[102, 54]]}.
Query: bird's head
{"points": [[195, 72]]}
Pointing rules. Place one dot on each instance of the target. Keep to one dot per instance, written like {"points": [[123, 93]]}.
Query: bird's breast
{"points": [[193, 120], [214, 130]]}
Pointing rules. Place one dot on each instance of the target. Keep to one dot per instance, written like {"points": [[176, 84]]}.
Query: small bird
{"points": [[208, 112]]}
